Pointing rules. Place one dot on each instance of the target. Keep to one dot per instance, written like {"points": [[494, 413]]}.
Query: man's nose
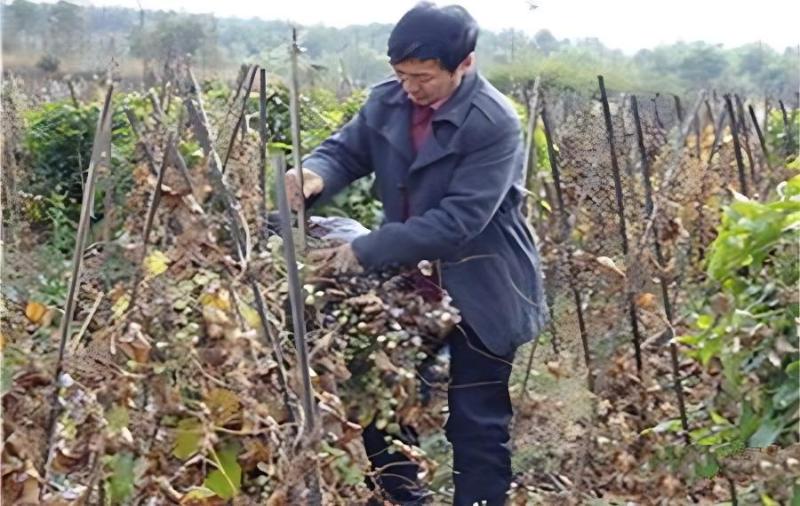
{"points": [[410, 87]]}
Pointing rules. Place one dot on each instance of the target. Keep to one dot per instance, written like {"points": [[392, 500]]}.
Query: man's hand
{"points": [[312, 185], [338, 260]]}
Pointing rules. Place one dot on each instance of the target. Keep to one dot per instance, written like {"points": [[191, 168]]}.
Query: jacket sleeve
{"points": [[478, 186], [341, 159]]}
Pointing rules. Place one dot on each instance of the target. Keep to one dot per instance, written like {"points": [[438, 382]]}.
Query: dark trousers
{"points": [[477, 427]]}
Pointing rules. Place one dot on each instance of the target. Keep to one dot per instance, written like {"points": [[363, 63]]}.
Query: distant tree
{"points": [[323, 39], [546, 42], [22, 15], [366, 66], [67, 27], [780, 77], [702, 65], [176, 35], [593, 45], [751, 59], [21, 20], [48, 63], [64, 30], [117, 20]]}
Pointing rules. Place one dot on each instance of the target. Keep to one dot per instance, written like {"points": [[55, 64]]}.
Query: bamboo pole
{"points": [[101, 156]]}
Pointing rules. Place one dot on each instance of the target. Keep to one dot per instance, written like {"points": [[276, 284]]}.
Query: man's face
{"points": [[426, 81]]}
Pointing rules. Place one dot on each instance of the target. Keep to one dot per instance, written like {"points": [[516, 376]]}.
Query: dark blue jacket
{"points": [[464, 194]]}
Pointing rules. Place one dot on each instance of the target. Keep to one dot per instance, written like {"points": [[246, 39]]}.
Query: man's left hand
{"points": [[338, 260]]}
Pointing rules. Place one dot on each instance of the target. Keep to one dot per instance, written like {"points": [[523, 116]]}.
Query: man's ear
{"points": [[467, 63]]}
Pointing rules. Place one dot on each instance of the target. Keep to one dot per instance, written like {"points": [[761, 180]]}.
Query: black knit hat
{"points": [[426, 32]]}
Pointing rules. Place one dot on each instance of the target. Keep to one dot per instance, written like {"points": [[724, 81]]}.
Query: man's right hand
{"points": [[312, 185]]}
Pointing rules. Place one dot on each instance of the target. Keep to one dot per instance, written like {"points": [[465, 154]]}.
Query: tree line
{"points": [[64, 37]]}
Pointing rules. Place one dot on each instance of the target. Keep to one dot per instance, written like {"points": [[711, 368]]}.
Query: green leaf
{"points": [[276, 147], [119, 486], [699, 433], [350, 472], [156, 263], [726, 450], [786, 395], [226, 480], [120, 306], [719, 419], [673, 425], [330, 450], [795, 495], [709, 349], [792, 187], [766, 434], [117, 418], [712, 439], [198, 493], [188, 439], [705, 321], [12, 360], [707, 468], [6, 378], [748, 421], [749, 233]]}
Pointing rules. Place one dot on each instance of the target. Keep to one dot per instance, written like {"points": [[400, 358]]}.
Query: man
{"points": [[446, 151]]}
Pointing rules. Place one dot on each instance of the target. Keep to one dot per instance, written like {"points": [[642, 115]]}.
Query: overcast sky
{"points": [[624, 24]]}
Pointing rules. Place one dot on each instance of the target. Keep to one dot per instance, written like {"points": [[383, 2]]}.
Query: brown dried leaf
{"points": [[383, 362], [624, 461], [554, 368], [645, 300], [35, 311], [609, 264], [137, 350], [224, 405], [30, 492]]}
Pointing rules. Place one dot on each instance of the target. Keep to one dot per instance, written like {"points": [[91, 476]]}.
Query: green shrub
{"points": [[59, 140], [783, 142], [747, 329]]}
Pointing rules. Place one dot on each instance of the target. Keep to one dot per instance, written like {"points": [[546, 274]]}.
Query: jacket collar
{"points": [[394, 123], [456, 107]]}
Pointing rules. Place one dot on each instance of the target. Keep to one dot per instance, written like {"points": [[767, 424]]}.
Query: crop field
{"points": [[166, 340]]}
